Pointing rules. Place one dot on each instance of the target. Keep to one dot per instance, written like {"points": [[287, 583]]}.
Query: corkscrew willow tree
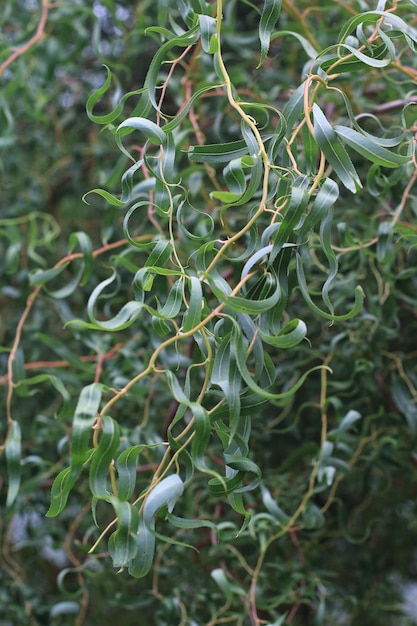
{"points": [[235, 330]]}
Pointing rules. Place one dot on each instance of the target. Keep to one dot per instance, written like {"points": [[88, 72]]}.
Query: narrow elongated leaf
{"points": [[185, 39], [245, 466], [227, 197], [172, 306], [193, 315], [291, 335], [308, 47], [225, 374], [270, 14], [218, 153], [359, 297], [99, 93], [294, 108], [294, 212], [360, 60], [370, 149], [180, 522], [41, 277], [103, 456], [243, 304], [202, 427], [126, 469], [83, 242], [393, 22], [272, 506], [164, 493], [325, 239], [109, 197], [160, 254], [151, 131], [24, 386], [334, 151], [144, 550], [348, 420], [208, 30], [241, 351], [234, 176], [13, 458], [184, 112], [84, 418], [257, 256], [124, 318], [202, 222], [70, 286], [60, 490], [226, 585], [323, 203], [122, 543]]}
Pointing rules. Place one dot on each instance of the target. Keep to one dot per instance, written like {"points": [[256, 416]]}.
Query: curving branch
{"points": [[40, 31]]}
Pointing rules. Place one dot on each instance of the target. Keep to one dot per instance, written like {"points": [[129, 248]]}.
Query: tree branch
{"points": [[32, 41]]}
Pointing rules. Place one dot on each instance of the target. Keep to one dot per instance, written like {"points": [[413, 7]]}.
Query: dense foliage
{"points": [[208, 232]]}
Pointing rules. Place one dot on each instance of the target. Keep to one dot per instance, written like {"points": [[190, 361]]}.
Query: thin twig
{"points": [[40, 31]]}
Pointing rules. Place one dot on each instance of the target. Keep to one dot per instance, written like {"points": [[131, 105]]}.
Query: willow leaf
{"points": [[126, 469], [308, 47], [291, 335], [103, 456], [218, 153], [360, 60], [84, 418], [241, 352], [122, 543], [186, 39], [393, 22], [325, 239], [334, 151], [192, 316], [13, 453], [61, 489], [151, 131], [109, 197], [208, 30], [370, 149], [359, 297], [101, 91], [269, 17], [165, 493]]}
